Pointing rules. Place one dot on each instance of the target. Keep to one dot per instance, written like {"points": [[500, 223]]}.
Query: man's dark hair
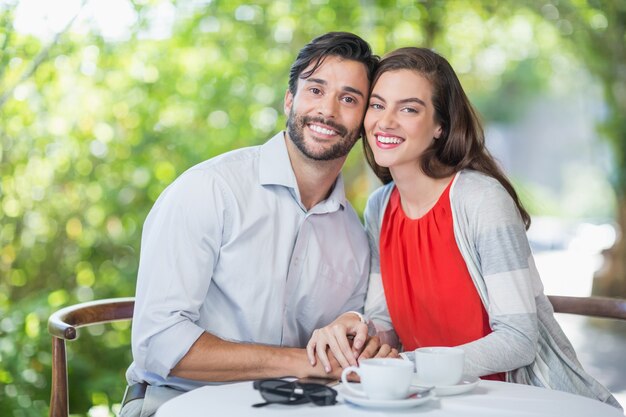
{"points": [[341, 44]]}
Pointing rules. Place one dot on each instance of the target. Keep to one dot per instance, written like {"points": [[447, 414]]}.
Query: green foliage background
{"points": [[100, 127]]}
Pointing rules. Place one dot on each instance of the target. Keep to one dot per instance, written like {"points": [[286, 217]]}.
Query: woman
{"points": [[448, 240]]}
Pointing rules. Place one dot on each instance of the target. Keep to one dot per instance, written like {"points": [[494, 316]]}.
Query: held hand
{"points": [[318, 370], [374, 349], [335, 337]]}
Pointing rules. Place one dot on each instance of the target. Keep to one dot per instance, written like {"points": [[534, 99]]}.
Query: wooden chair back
{"points": [[63, 325], [611, 308]]}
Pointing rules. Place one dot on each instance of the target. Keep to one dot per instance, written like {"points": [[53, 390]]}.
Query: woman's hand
{"points": [[335, 337]]}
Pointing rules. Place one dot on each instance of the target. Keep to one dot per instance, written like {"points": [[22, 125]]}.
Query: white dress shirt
{"points": [[228, 248]]}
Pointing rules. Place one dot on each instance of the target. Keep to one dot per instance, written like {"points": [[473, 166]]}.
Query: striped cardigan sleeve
{"points": [[526, 341], [491, 235]]}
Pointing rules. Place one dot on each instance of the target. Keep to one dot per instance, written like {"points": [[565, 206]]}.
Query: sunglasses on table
{"points": [[279, 391]]}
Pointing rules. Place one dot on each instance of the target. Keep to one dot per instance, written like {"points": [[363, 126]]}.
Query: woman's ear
{"points": [[438, 132]]}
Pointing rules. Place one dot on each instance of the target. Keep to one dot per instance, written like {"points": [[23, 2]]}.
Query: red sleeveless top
{"points": [[430, 294]]}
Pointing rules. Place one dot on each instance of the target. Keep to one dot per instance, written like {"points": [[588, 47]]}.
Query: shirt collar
{"points": [[274, 164], [275, 169]]}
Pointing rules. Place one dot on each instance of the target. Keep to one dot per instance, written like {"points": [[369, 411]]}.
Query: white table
{"points": [[489, 398]]}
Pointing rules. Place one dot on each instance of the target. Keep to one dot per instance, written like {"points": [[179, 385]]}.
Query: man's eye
{"points": [[315, 90]]}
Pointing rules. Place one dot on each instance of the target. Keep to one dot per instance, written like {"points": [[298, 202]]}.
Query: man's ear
{"points": [[288, 102]]}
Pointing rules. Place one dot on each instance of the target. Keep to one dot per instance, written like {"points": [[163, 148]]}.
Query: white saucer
{"points": [[466, 384], [361, 400]]}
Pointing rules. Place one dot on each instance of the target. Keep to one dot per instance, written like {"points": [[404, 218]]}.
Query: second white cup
{"points": [[439, 366], [381, 379]]}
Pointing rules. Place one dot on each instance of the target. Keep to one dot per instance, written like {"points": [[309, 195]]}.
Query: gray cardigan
{"points": [[526, 341]]}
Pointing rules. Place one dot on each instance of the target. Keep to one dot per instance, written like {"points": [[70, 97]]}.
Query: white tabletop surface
{"points": [[489, 398]]}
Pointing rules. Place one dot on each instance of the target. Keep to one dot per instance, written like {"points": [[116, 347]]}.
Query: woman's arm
{"points": [[375, 302], [335, 335], [492, 239]]}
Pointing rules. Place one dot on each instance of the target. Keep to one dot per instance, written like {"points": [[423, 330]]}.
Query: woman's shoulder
{"points": [[378, 199], [469, 179], [474, 186], [380, 194], [478, 193]]}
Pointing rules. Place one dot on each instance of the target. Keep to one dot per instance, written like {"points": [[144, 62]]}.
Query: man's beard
{"points": [[295, 128]]}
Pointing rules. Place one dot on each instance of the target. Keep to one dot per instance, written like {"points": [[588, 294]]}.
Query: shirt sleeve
{"points": [[375, 302], [504, 256], [180, 246]]}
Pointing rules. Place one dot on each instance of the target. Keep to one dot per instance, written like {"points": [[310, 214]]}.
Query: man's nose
{"points": [[327, 107]]}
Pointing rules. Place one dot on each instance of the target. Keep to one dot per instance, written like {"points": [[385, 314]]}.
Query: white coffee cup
{"points": [[381, 379], [439, 366]]}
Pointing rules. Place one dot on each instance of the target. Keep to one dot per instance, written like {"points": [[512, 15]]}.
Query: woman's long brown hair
{"points": [[462, 142]]}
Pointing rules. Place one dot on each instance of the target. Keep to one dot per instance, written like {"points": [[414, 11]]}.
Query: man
{"points": [[245, 254]]}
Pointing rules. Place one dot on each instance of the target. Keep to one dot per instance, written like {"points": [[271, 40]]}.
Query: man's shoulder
{"points": [[234, 159], [220, 171], [351, 214]]}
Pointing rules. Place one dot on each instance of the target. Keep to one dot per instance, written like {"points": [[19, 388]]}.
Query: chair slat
{"points": [[63, 323], [606, 307]]}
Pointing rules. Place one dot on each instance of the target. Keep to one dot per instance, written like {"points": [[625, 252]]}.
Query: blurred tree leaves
{"points": [[598, 29], [90, 138]]}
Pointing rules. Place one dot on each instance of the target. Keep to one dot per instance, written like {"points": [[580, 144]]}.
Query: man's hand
{"points": [[335, 338], [374, 349]]}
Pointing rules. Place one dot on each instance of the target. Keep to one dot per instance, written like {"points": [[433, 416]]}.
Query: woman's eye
{"points": [[409, 110], [376, 106]]}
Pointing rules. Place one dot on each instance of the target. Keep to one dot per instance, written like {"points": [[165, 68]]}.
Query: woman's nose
{"points": [[387, 120]]}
